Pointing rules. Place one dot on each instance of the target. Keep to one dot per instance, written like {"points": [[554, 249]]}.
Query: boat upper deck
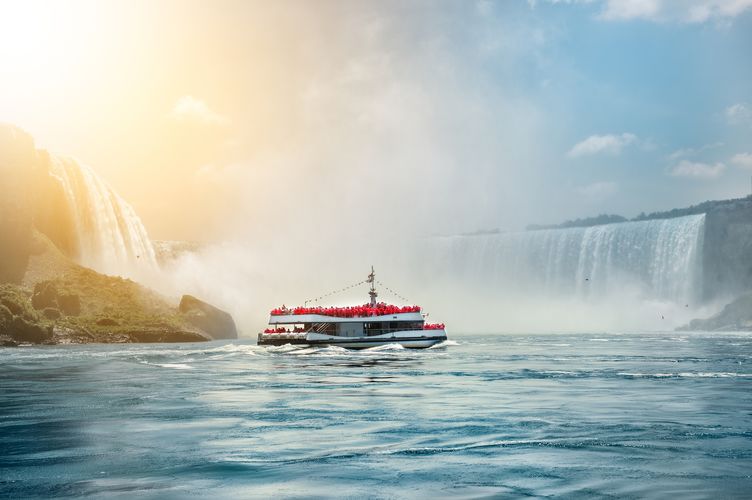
{"points": [[289, 319], [348, 314]]}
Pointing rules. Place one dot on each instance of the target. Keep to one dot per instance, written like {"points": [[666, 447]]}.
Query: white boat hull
{"points": [[413, 339]]}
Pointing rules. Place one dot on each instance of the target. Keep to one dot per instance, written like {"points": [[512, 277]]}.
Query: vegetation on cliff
{"points": [[45, 296], [700, 208], [586, 222], [59, 301]]}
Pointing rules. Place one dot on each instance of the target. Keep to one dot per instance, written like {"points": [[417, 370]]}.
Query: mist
{"points": [[397, 134], [467, 292], [353, 133]]}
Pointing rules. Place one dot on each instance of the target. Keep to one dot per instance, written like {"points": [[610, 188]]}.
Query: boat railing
{"points": [[381, 331], [364, 311], [368, 332]]}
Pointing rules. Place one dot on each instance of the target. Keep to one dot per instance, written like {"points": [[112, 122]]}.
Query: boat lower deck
{"points": [[408, 341]]}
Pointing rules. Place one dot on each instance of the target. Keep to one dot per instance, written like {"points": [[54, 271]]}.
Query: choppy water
{"points": [[649, 415]]}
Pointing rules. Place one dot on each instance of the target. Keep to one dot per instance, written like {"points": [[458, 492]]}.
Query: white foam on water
{"points": [[174, 366], [445, 343], [309, 350], [687, 375], [387, 347], [283, 348], [249, 349]]}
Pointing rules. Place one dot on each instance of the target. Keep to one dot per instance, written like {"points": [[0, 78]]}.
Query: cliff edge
{"points": [[735, 316], [46, 296]]}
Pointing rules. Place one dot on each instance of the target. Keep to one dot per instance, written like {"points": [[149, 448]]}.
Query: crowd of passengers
{"points": [[366, 310], [297, 329], [280, 329]]}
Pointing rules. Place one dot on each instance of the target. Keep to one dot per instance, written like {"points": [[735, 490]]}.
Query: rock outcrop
{"points": [[216, 323], [51, 218], [73, 304], [735, 316], [727, 266], [19, 321], [17, 159]]}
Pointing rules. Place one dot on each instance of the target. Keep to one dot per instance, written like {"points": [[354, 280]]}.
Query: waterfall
{"points": [[662, 258], [110, 236]]}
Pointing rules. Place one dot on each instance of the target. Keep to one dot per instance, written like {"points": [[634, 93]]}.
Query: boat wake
{"points": [[387, 347], [446, 343]]}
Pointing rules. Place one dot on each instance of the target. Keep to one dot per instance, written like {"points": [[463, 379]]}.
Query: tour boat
{"points": [[356, 327]]}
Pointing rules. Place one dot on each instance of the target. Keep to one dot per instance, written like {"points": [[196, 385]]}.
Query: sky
{"points": [[226, 118]]}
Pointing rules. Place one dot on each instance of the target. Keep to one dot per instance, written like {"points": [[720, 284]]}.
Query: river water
{"points": [[613, 415]]}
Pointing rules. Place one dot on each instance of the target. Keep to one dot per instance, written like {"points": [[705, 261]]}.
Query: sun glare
{"points": [[45, 43]]}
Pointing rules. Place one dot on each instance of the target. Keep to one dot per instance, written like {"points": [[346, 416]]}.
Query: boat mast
{"points": [[372, 292]]}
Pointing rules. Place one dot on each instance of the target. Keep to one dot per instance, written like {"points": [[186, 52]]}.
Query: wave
{"points": [[175, 366], [347, 454], [386, 347], [687, 375], [596, 374], [446, 343]]}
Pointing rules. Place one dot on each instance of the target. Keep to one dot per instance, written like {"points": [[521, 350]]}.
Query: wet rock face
{"points": [[11, 306], [18, 320], [70, 304], [727, 267], [107, 322], [24, 331], [47, 296], [5, 317], [30, 196], [216, 323], [736, 315], [17, 159], [51, 313], [6, 341]]}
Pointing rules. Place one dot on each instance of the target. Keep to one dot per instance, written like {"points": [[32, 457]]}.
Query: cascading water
{"points": [[662, 258], [110, 236]]}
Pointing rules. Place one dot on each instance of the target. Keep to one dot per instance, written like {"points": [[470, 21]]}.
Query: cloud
{"points": [[609, 144], [190, 109], [685, 11], [533, 3], [738, 113], [688, 152], [697, 170], [743, 160], [630, 9], [598, 190]]}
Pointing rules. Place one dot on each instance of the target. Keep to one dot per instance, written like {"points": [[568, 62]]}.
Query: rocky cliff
{"points": [[736, 315], [31, 197], [727, 249], [54, 213], [18, 162], [61, 302], [726, 272], [217, 323]]}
